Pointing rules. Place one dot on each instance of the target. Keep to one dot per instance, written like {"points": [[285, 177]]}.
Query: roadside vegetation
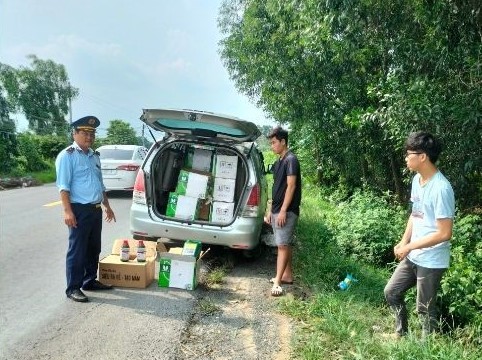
{"points": [[350, 324]]}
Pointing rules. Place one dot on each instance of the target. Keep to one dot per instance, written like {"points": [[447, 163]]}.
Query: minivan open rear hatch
{"points": [[200, 124]]}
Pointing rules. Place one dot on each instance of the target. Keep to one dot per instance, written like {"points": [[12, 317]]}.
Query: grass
{"points": [[336, 324]]}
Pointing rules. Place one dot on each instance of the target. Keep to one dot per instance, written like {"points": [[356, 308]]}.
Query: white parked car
{"points": [[119, 165]]}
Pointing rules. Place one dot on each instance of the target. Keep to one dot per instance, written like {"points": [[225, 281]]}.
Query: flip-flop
{"points": [[282, 282], [276, 290]]}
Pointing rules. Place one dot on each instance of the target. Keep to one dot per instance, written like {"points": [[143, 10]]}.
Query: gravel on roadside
{"points": [[238, 319]]}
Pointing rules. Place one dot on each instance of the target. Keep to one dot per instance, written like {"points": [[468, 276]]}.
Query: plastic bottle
{"points": [[124, 253], [346, 283], [141, 251]]}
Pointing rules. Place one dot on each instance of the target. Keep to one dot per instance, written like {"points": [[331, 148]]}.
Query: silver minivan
{"points": [[205, 180]]}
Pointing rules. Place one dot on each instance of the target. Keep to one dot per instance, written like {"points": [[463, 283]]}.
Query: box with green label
{"points": [[192, 184], [182, 207], [178, 271], [192, 248]]}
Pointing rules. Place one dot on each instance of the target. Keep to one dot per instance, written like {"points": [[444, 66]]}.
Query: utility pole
{"points": [[70, 105]]}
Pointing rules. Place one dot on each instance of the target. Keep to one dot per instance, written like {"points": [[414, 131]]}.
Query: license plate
{"points": [[108, 171]]}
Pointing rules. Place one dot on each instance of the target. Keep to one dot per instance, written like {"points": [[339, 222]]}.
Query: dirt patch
{"points": [[238, 319]]}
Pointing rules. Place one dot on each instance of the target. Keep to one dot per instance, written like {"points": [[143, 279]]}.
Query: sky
{"points": [[127, 55]]}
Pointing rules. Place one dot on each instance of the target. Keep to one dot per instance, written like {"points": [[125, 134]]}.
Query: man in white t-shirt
{"points": [[424, 250]]}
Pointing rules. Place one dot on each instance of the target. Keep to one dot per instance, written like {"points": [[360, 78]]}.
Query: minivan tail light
{"points": [[252, 205], [139, 192], [253, 199], [128, 167]]}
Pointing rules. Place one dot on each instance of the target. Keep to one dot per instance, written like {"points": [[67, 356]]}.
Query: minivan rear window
{"points": [[115, 154], [193, 125]]}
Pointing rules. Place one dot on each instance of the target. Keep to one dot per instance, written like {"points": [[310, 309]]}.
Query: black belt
{"points": [[92, 206]]}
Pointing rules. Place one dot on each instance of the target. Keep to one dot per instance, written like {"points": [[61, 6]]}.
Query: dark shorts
{"points": [[284, 235]]}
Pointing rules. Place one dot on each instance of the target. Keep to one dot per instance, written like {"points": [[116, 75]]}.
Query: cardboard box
{"points": [[182, 207], [130, 273], [178, 271], [204, 209], [222, 212], [226, 166], [192, 248], [199, 159], [192, 184], [223, 189]]}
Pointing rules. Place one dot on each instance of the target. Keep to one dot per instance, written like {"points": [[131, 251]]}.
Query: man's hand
{"points": [[281, 219], [401, 251], [69, 218], [109, 214]]}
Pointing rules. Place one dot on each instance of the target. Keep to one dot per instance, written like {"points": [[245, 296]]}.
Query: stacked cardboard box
{"points": [[182, 206], [224, 188], [197, 196], [199, 159]]}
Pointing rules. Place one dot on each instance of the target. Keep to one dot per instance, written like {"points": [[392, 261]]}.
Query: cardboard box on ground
{"points": [[178, 268], [130, 273]]}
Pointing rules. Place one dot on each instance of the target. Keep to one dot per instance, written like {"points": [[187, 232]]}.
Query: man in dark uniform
{"points": [[82, 192], [285, 206]]}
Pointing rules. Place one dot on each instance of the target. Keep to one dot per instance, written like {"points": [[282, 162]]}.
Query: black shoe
{"points": [[78, 295], [96, 285]]}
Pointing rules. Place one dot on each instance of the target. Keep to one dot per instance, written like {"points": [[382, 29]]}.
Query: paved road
{"points": [[37, 321]]}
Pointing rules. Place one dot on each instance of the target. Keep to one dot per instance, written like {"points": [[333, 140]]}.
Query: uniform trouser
{"points": [[84, 246], [405, 276]]}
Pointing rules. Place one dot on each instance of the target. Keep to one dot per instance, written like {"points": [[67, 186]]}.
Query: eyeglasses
{"points": [[407, 154]]}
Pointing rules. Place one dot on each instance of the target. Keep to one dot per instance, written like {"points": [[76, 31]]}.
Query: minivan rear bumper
{"points": [[243, 233]]}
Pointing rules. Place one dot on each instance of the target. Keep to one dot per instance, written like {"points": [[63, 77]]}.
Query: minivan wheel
{"points": [[254, 253]]}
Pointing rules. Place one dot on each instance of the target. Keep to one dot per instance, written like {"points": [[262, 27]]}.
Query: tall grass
{"points": [[351, 324]]}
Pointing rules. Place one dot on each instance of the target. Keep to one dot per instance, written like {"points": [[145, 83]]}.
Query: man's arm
{"points": [[69, 217], [443, 233], [290, 190], [109, 213]]}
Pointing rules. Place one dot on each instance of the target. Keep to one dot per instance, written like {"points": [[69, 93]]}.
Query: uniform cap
{"points": [[87, 123]]}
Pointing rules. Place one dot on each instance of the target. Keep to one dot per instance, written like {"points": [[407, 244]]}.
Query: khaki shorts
{"points": [[284, 235]]}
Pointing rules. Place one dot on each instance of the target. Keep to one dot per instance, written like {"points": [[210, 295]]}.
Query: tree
{"points": [[42, 93], [352, 79], [8, 139], [121, 133]]}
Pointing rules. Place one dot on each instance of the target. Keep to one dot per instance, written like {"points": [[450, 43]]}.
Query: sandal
{"points": [[282, 281], [276, 290]]}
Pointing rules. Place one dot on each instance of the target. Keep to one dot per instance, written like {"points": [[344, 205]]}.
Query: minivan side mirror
{"points": [[269, 169]]}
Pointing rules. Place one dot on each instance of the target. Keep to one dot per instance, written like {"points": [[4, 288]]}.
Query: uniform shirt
{"points": [[283, 168], [432, 201], [79, 173]]}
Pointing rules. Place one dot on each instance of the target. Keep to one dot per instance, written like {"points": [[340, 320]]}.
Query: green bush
{"points": [[462, 284], [29, 149], [367, 227]]}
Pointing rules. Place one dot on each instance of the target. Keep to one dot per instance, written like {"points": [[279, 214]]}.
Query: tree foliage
{"points": [[353, 78], [41, 92], [121, 133], [8, 138]]}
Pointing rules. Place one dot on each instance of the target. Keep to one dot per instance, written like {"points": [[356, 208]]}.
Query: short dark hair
{"points": [[424, 142], [279, 133]]}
